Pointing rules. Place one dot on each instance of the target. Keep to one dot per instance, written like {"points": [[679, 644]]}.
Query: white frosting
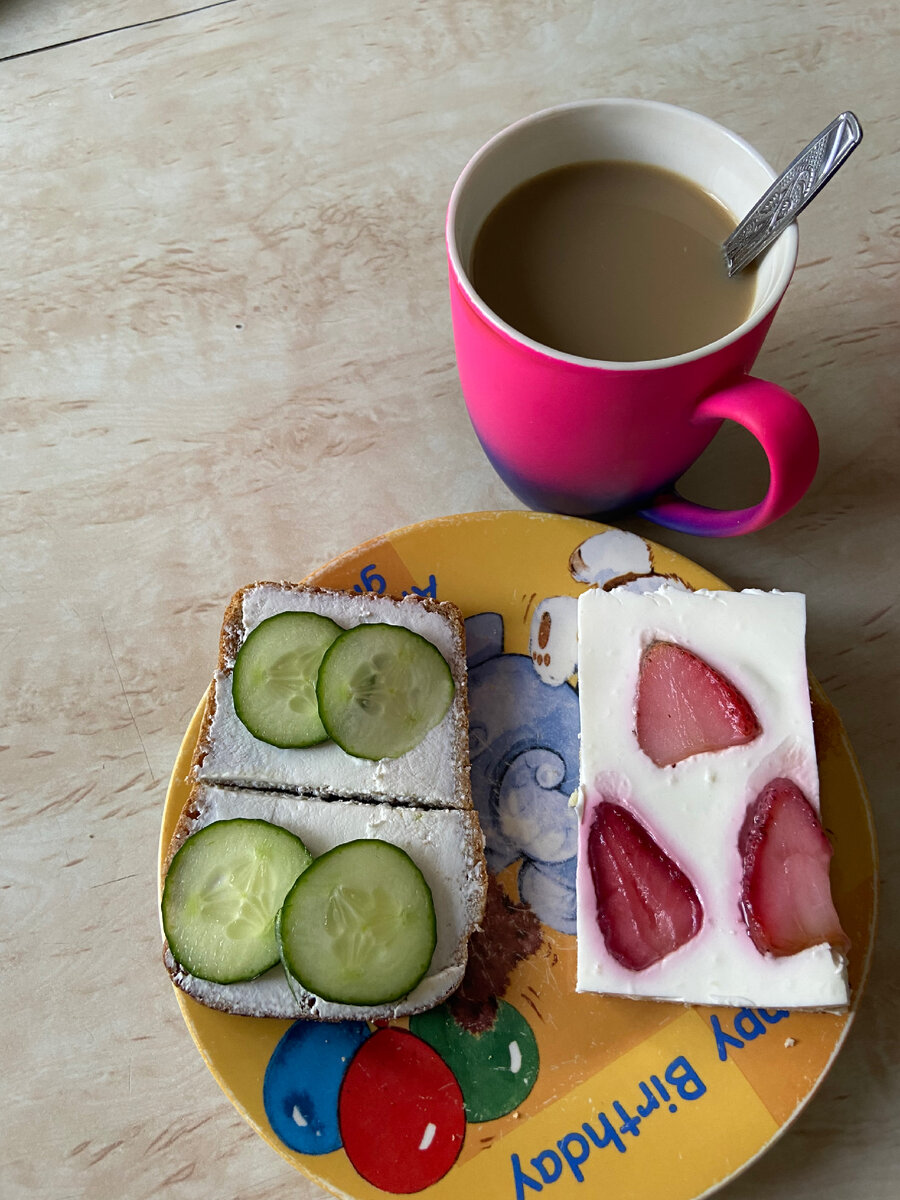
{"points": [[438, 841], [695, 809], [427, 774]]}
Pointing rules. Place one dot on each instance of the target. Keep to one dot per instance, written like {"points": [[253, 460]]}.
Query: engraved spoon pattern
{"points": [[792, 191]]}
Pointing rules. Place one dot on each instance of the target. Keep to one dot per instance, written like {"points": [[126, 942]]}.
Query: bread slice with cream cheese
{"points": [[446, 845], [435, 774], [420, 801]]}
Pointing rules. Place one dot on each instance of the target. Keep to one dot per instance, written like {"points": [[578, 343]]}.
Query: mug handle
{"points": [[786, 432]]}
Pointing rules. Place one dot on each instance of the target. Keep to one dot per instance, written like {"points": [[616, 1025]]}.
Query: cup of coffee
{"points": [[599, 341]]}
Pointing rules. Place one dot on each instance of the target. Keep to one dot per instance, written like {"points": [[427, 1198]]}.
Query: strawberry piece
{"points": [[785, 894], [685, 707], [646, 905]]}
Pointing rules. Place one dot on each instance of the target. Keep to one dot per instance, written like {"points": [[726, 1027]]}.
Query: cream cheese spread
{"points": [[429, 774], [444, 844]]}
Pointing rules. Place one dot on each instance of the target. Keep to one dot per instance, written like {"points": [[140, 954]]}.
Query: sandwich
{"points": [[433, 773], [328, 862]]}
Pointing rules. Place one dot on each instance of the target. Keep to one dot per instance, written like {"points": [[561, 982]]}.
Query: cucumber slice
{"points": [[380, 689], [223, 890], [358, 926], [274, 679]]}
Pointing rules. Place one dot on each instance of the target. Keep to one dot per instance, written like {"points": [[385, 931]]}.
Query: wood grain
{"points": [[225, 354]]}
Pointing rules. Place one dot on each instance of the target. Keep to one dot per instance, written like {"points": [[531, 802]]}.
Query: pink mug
{"points": [[588, 437]]}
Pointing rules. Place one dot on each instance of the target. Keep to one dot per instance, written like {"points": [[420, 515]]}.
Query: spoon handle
{"points": [[792, 191]]}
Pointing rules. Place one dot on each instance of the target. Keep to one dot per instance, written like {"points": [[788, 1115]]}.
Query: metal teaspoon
{"points": [[792, 191]]}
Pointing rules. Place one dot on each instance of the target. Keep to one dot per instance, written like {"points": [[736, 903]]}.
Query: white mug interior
{"points": [[643, 131]]}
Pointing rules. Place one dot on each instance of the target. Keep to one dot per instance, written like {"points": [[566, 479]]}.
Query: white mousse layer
{"points": [[429, 774], [695, 809], [444, 844]]}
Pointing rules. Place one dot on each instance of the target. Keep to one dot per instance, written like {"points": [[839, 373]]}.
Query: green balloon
{"points": [[495, 1070]]}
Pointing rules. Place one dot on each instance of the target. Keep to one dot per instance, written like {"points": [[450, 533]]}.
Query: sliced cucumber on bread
{"points": [[380, 689], [361, 929], [341, 717], [374, 689], [358, 927], [274, 681], [223, 891], [415, 888]]}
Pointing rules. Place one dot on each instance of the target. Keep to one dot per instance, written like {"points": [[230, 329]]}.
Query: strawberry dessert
{"points": [[703, 867]]}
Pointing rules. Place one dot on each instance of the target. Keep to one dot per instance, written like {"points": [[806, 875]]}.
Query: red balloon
{"points": [[401, 1113]]}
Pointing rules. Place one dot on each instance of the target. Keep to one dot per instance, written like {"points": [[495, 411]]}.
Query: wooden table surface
{"points": [[225, 354]]}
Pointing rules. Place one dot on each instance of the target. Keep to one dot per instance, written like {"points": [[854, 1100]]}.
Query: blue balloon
{"points": [[303, 1079]]}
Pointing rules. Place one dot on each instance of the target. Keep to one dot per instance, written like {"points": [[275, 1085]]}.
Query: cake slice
{"points": [[433, 773], [445, 844], [702, 865]]}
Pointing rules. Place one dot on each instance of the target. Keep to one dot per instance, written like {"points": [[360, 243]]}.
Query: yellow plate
{"points": [[715, 1086]]}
